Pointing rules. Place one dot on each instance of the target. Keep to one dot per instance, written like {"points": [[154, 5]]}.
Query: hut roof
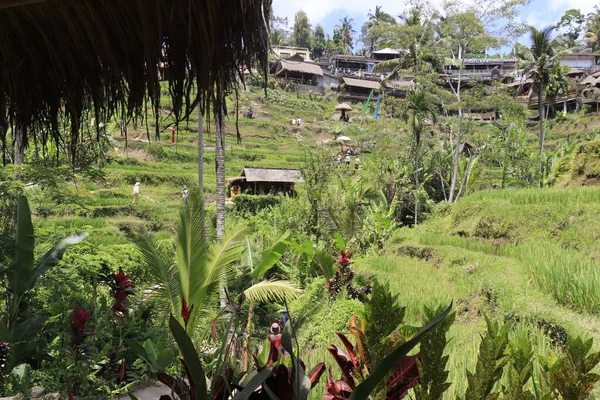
{"points": [[104, 55], [404, 85], [363, 83], [590, 80], [517, 83], [257, 174], [299, 66], [576, 71]]}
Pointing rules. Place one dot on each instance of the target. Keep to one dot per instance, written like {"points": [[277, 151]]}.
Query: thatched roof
{"points": [[362, 83], [590, 80], [104, 55], [256, 174], [518, 83], [297, 66]]}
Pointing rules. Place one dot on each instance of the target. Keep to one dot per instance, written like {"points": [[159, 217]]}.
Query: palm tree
{"points": [[538, 61], [592, 34], [418, 109], [347, 34], [375, 19], [190, 283]]}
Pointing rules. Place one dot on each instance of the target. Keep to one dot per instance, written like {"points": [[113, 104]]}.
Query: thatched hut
{"points": [[298, 70], [65, 58], [258, 181]]}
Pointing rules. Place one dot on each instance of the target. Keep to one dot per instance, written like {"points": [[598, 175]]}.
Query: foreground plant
{"points": [[343, 278], [379, 351], [17, 332]]}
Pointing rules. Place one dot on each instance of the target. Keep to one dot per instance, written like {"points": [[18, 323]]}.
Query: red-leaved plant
{"points": [[79, 318], [123, 287], [404, 376], [343, 279]]}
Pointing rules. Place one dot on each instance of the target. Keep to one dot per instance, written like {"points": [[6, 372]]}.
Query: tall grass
{"points": [[569, 276]]}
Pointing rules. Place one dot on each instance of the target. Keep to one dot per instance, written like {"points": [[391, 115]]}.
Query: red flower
{"points": [[344, 259], [186, 311], [122, 281], [79, 316], [327, 284]]}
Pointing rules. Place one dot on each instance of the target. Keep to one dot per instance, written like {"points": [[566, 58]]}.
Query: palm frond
{"points": [[213, 270], [162, 273], [273, 290]]}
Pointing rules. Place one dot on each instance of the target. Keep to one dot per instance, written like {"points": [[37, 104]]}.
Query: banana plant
{"points": [[22, 277]]}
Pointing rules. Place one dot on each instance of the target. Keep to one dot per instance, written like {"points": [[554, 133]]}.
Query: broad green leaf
{"points": [[54, 255], [339, 241], [249, 257], [302, 383], [254, 383], [151, 351], [364, 390], [27, 329], [164, 358], [25, 242], [137, 348], [270, 257], [325, 262], [23, 372], [190, 357]]}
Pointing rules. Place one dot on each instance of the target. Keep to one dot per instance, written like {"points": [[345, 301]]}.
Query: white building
{"points": [[286, 52], [583, 60]]}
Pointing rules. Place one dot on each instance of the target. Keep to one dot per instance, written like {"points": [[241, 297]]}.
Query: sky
{"points": [[539, 13]]}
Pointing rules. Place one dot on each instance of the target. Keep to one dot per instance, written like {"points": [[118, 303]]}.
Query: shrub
{"points": [[246, 204]]}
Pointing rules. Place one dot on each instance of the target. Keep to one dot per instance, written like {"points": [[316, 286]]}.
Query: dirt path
{"points": [[151, 392]]}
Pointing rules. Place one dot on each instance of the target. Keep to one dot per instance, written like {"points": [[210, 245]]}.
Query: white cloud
{"points": [[586, 6]]}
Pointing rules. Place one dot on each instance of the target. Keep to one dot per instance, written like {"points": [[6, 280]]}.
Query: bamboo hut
{"points": [[259, 181], [64, 58]]}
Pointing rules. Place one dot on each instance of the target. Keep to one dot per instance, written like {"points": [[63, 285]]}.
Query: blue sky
{"points": [[539, 13]]}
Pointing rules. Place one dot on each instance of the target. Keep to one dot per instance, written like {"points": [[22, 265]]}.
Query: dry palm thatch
{"points": [[59, 58]]}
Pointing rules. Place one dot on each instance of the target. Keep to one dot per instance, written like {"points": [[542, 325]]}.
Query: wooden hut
{"points": [[259, 181], [358, 89], [296, 69]]}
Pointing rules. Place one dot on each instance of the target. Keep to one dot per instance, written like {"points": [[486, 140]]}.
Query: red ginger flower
{"points": [[345, 258], [186, 311], [123, 288], [79, 316]]}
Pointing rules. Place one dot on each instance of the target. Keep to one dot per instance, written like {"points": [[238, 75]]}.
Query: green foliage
{"points": [[571, 375], [382, 318], [434, 375], [490, 362], [252, 204], [519, 369]]}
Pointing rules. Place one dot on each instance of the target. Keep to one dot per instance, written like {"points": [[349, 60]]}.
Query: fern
{"points": [[273, 290]]}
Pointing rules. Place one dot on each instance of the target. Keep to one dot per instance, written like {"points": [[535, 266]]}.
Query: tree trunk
{"points": [[417, 183], [19, 145], [456, 156], [541, 112], [220, 164], [246, 346]]}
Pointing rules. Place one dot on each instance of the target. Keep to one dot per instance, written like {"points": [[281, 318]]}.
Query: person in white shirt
{"points": [[347, 161], [356, 163], [186, 194], [136, 192]]}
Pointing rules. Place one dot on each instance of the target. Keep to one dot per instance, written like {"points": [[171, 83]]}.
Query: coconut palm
{"points": [[375, 19], [538, 61], [418, 108], [592, 35], [347, 32]]}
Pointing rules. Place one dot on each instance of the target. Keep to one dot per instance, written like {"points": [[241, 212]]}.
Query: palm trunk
{"points": [[201, 161], [541, 113], [19, 146], [246, 348], [417, 183], [220, 161]]}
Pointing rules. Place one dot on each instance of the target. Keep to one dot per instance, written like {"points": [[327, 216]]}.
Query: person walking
{"points": [[347, 160], [339, 161], [136, 192], [356, 163], [185, 194]]}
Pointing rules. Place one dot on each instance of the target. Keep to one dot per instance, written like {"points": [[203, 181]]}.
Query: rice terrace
{"points": [[290, 200]]}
